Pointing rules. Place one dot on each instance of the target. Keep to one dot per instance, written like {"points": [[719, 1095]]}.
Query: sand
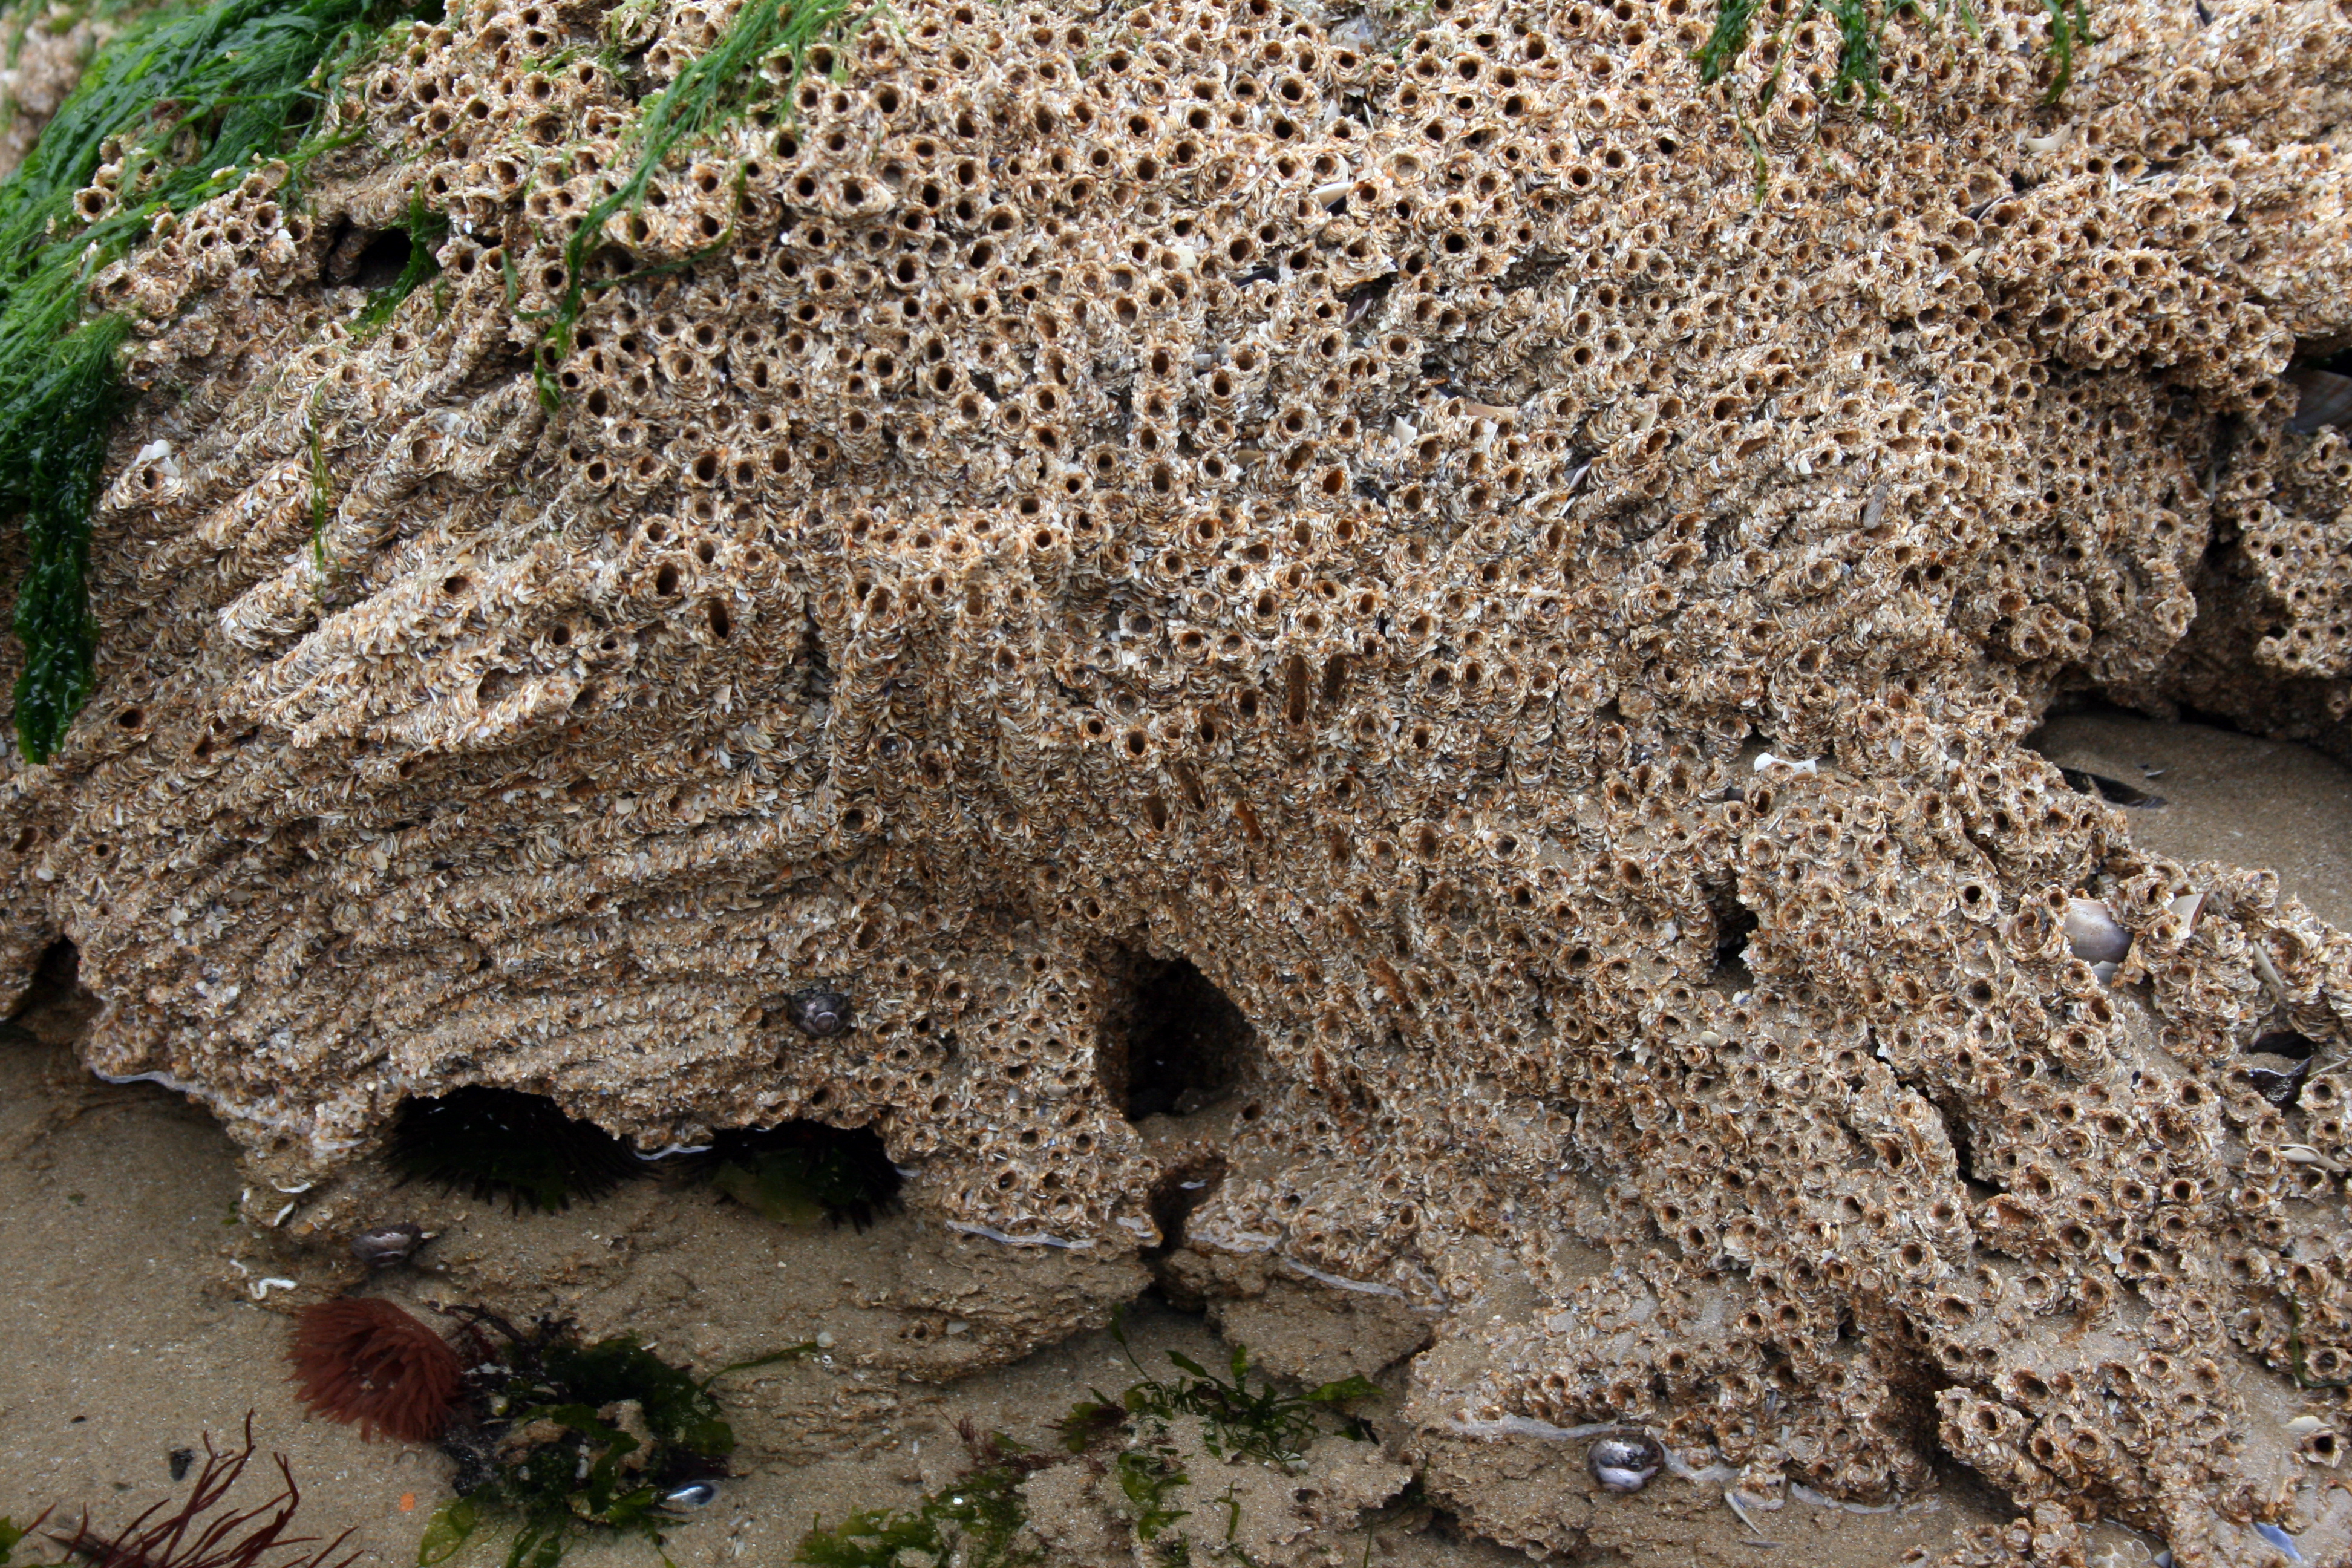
{"points": [[134, 1327]]}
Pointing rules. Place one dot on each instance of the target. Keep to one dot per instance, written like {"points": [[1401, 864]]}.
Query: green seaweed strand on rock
{"points": [[717, 85], [1862, 34], [188, 98]]}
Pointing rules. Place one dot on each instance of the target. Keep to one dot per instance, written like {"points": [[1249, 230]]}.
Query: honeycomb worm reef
{"points": [[1507, 581]]}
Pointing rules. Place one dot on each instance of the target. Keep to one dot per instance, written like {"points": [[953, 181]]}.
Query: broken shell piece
{"points": [[1739, 1503], [2280, 1539], [2093, 934], [385, 1245], [2305, 1426], [1626, 1462], [2104, 973], [2278, 1081], [2324, 397], [2186, 907], [1766, 761]]}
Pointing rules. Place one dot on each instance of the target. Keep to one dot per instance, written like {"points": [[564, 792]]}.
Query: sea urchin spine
{"points": [[368, 1362]]}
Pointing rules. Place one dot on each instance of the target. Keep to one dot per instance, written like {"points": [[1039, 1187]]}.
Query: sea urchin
{"points": [[366, 1361], [501, 1142]]}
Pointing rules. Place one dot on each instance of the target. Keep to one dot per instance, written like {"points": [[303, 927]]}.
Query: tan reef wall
{"points": [[1346, 500]]}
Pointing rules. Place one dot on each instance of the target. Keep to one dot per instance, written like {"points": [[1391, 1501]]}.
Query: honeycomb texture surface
{"points": [[1528, 571]]}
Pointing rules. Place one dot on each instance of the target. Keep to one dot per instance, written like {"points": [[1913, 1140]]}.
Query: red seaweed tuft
{"points": [[230, 1538]]}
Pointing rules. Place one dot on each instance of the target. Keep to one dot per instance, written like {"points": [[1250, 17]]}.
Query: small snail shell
{"points": [[1625, 1461], [819, 1012], [2093, 934], [386, 1244]]}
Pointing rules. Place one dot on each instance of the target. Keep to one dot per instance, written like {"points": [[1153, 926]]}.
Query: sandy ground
{"points": [[2228, 797], [132, 1328]]}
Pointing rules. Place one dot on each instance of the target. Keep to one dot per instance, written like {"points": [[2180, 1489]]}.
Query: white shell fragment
{"points": [[1765, 763], [1624, 1462], [2091, 933]]}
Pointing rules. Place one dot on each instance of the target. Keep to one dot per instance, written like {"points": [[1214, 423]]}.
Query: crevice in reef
{"points": [[1963, 1142], [55, 1004], [1181, 1188], [801, 1172], [56, 978], [1735, 924], [504, 1144], [1177, 1044], [368, 258], [2083, 781]]}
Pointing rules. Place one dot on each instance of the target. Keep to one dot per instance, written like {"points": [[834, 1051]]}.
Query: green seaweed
{"points": [[322, 500], [569, 1436], [426, 230], [1862, 32], [1261, 1423], [452, 1525], [1726, 41], [189, 97], [1146, 1476], [54, 416], [1756, 154], [2070, 28], [2296, 1364], [977, 1521], [717, 85], [1861, 37]]}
